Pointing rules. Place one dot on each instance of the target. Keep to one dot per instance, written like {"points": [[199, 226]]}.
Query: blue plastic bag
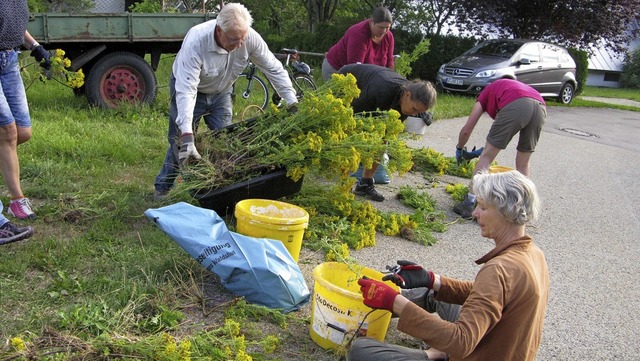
{"points": [[259, 269]]}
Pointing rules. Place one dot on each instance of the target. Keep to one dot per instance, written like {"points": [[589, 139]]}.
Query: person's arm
{"points": [[481, 311], [357, 45], [467, 129], [186, 70], [391, 62], [43, 58], [29, 42], [271, 67]]}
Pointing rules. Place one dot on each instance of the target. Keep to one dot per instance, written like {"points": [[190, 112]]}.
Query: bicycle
{"points": [[299, 73], [251, 93]]}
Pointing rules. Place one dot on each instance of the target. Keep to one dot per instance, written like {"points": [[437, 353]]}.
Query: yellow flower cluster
{"points": [[174, 350], [429, 160], [324, 135], [59, 66], [18, 344], [270, 343], [237, 351], [337, 253], [392, 224], [458, 191]]}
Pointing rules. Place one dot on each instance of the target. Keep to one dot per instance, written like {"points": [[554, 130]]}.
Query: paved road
{"points": [[587, 169]]}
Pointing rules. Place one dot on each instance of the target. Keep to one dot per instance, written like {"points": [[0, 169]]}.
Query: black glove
{"points": [[42, 57], [426, 117], [472, 154], [459, 157], [409, 275]]}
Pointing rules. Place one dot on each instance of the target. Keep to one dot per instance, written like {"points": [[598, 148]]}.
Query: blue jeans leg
{"points": [[216, 111], [13, 99]]}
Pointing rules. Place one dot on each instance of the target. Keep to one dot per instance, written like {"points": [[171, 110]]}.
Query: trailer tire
{"points": [[120, 77]]}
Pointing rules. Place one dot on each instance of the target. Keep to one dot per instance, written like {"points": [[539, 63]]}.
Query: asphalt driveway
{"points": [[587, 169]]}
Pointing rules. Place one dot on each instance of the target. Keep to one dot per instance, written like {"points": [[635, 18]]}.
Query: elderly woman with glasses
{"points": [[499, 315]]}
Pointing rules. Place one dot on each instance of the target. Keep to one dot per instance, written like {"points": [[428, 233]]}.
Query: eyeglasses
{"points": [[233, 40]]}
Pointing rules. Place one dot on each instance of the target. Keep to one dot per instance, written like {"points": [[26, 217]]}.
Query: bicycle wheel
{"points": [[248, 93], [303, 83]]}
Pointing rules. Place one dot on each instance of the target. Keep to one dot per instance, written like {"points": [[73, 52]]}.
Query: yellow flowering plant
{"points": [[59, 72], [59, 68], [324, 135]]}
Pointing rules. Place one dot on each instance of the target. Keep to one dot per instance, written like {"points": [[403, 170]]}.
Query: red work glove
{"points": [[409, 275], [377, 294]]}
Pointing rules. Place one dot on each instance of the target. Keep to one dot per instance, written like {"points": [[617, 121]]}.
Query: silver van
{"points": [[546, 67]]}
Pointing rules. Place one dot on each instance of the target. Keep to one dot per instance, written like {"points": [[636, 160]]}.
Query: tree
{"points": [[578, 23], [319, 11], [425, 16], [70, 6]]}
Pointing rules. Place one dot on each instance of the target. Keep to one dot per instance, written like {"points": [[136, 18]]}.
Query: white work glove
{"points": [[187, 149]]}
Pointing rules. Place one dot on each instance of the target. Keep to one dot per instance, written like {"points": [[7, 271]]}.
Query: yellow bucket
{"points": [[264, 218], [337, 309], [499, 169]]}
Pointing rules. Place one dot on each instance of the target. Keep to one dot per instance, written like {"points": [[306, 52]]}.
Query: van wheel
{"points": [[566, 94], [120, 77]]}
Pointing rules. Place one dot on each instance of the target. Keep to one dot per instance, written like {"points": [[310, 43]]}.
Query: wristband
{"points": [[34, 45]]}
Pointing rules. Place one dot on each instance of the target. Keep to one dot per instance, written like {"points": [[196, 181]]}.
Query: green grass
{"points": [[97, 268], [632, 94]]}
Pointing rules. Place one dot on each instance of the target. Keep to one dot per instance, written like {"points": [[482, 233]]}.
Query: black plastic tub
{"points": [[272, 185]]}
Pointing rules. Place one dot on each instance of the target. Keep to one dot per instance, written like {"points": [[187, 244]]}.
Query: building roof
{"points": [[607, 60]]}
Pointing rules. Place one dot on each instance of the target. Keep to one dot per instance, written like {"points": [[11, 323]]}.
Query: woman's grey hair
{"points": [[422, 91], [234, 16], [381, 15], [513, 194]]}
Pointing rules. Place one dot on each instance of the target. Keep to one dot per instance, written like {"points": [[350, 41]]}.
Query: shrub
{"points": [[630, 77], [442, 48], [582, 67]]}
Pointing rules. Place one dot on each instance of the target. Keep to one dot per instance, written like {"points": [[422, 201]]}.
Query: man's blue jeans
{"points": [[214, 108]]}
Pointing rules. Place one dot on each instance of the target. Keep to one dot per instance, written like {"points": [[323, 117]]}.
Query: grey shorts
{"points": [[368, 349], [327, 70], [525, 116]]}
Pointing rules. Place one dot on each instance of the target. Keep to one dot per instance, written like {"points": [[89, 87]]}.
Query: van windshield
{"points": [[503, 49]]}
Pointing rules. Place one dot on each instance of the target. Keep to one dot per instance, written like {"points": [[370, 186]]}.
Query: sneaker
{"points": [[21, 209], [464, 209], [9, 232], [160, 195], [366, 188]]}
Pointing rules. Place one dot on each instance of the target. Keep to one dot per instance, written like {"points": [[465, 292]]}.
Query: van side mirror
{"points": [[524, 61]]}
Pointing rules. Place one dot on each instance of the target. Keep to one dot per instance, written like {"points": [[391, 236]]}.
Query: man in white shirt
{"points": [[212, 56]]}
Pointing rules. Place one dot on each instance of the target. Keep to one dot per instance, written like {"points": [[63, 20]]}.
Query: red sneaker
{"points": [[21, 208]]}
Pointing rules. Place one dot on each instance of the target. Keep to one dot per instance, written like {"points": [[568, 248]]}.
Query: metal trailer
{"points": [[111, 48]]}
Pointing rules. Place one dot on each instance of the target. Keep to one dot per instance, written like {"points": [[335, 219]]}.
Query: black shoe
{"points": [[9, 232], [160, 195], [366, 188], [464, 209]]}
